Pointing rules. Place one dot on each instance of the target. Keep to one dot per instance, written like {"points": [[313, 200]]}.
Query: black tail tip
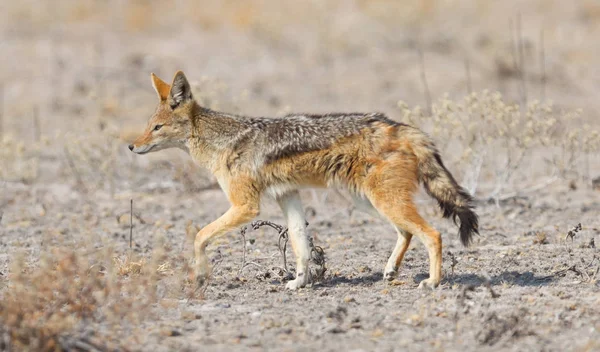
{"points": [[469, 225]]}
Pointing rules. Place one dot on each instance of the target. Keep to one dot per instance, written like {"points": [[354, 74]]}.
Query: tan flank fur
{"points": [[379, 161]]}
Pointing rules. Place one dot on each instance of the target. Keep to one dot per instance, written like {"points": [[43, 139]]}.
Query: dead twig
{"points": [[1, 110], [281, 242], [2, 204], [471, 179], [74, 170], [468, 74], [36, 124], [557, 273], [579, 272], [517, 53], [453, 261], [585, 270], [521, 47], [426, 91], [244, 262], [317, 256], [593, 278], [543, 77], [131, 223], [243, 234], [576, 270], [572, 232]]}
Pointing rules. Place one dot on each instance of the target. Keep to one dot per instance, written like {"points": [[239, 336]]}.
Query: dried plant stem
{"points": [[1, 110], [36, 124], [131, 223], [453, 261], [513, 46], [471, 179], [426, 91], [518, 55], [283, 238], [317, 253], [522, 73], [511, 165], [542, 67], [243, 234], [74, 169], [468, 74], [317, 256]]}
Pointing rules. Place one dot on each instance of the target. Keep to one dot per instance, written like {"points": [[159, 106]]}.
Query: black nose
{"points": [[131, 147]]}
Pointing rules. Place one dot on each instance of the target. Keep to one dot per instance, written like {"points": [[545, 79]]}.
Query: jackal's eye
{"points": [[157, 127]]}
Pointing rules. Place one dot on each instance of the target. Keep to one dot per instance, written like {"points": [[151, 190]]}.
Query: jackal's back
{"points": [[291, 135]]}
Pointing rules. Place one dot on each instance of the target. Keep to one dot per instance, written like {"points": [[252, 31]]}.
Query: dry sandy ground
{"points": [[84, 69], [507, 292]]}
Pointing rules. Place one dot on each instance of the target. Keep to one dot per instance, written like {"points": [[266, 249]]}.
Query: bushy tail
{"points": [[439, 183]]}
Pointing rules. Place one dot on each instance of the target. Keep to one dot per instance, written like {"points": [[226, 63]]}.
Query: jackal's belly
{"points": [[295, 179], [315, 170]]}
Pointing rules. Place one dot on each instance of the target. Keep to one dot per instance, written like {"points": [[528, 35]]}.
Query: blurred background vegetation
{"points": [[76, 71]]}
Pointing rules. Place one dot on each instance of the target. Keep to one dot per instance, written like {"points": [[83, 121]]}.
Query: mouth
{"points": [[145, 150]]}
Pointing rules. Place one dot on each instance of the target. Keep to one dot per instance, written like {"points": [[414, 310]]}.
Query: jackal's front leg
{"points": [[235, 217], [296, 221]]}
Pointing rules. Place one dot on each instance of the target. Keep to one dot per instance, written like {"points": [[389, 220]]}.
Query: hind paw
{"points": [[429, 284]]}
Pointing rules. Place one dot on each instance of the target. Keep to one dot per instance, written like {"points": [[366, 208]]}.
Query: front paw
{"points": [[300, 281], [202, 274], [429, 284], [390, 274]]}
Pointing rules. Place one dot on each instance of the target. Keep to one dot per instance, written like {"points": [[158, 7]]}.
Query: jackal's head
{"points": [[170, 126]]}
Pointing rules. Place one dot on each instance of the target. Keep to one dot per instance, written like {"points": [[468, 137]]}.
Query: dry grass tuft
{"points": [[541, 237], [127, 266], [70, 299]]}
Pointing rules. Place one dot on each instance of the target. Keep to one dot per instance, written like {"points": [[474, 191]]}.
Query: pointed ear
{"points": [[180, 89], [161, 88]]}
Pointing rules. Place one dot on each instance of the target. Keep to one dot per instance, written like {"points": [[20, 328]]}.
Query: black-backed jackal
{"points": [[379, 161]]}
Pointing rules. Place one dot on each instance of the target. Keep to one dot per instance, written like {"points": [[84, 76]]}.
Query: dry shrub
{"points": [[488, 136], [72, 299]]}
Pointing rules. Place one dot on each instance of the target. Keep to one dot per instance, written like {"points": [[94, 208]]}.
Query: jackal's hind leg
{"points": [[391, 269], [291, 206], [402, 213]]}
